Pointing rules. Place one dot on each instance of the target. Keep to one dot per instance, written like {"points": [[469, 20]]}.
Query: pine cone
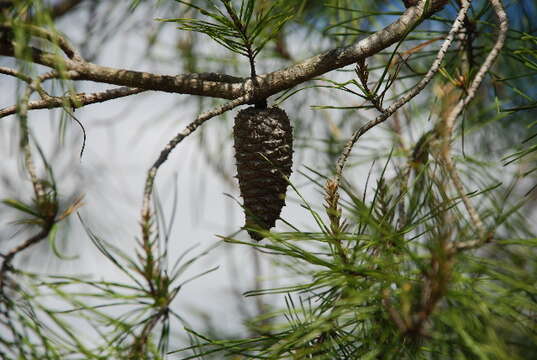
{"points": [[264, 154]]}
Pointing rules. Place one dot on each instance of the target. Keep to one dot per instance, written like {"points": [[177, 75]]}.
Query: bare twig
{"points": [[75, 101], [189, 129], [7, 258], [15, 73], [394, 314], [455, 113], [36, 85], [435, 66], [471, 244], [38, 187], [48, 210]]}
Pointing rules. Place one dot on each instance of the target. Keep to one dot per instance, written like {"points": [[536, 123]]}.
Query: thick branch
{"points": [[271, 83], [204, 84], [229, 87]]}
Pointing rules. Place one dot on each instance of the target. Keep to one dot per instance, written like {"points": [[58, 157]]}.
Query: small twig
{"points": [[394, 314], [470, 244], [146, 215], [25, 143], [62, 8], [35, 84], [39, 191], [25, 245], [76, 100], [6, 264], [15, 73], [454, 114], [25, 136], [435, 66], [189, 129], [140, 344], [437, 276], [50, 36], [491, 57]]}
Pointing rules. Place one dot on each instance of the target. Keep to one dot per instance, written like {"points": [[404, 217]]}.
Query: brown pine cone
{"points": [[264, 154]]}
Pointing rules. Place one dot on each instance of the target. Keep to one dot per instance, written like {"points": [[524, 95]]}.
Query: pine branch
{"points": [[229, 87]]}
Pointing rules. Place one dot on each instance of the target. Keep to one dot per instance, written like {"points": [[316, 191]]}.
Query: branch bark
{"points": [[75, 101], [230, 87], [63, 7]]}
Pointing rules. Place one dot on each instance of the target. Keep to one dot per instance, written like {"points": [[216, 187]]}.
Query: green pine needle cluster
{"points": [[244, 30]]}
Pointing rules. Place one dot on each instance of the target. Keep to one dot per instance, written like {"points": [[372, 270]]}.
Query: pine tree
{"points": [[420, 147]]}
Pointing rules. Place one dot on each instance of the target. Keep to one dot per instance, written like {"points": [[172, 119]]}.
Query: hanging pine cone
{"points": [[264, 154]]}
